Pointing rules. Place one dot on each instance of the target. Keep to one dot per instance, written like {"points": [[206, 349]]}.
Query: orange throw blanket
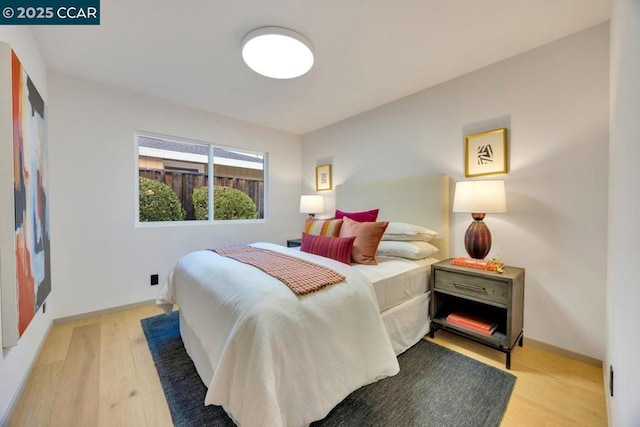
{"points": [[301, 276]]}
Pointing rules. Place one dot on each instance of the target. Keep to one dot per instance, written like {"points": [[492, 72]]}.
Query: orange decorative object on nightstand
{"points": [[477, 263]]}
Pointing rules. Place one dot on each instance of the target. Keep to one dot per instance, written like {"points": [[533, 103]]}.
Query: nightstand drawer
{"points": [[477, 287]]}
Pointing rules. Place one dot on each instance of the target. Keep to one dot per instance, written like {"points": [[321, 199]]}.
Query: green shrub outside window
{"points": [[228, 203], [158, 202]]}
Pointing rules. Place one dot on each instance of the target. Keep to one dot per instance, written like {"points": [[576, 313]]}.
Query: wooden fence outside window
{"points": [[183, 184]]}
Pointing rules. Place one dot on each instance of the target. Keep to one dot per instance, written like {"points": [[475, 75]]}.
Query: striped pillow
{"points": [[338, 248], [323, 227]]}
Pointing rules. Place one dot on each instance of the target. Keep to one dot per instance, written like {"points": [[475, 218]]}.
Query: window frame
{"points": [[210, 178]]}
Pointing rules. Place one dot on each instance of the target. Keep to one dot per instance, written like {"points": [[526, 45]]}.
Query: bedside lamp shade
{"points": [[311, 204], [479, 198]]}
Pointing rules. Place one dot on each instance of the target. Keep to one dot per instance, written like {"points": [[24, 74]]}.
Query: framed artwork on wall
{"points": [[25, 264], [323, 178], [485, 153]]}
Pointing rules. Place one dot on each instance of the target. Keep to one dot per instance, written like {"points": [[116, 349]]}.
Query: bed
{"points": [[272, 358]]}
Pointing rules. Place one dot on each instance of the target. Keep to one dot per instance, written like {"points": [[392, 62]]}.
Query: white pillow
{"points": [[406, 249], [403, 231]]}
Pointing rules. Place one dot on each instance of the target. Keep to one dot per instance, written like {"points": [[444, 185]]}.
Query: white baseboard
{"points": [[563, 352], [101, 312]]}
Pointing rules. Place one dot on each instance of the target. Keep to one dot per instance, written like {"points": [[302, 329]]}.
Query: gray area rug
{"points": [[435, 387]]}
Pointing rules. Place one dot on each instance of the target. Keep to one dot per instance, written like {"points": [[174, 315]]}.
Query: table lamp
{"points": [[479, 198], [311, 205]]}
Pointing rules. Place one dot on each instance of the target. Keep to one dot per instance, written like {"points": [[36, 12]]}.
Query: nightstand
{"points": [[498, 297], [292, 243]]}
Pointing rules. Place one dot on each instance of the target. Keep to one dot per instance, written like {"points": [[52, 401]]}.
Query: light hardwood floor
{"points": [[99, 372]]}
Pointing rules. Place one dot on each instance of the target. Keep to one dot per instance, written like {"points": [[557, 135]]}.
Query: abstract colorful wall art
{"points": [[32, 246]]}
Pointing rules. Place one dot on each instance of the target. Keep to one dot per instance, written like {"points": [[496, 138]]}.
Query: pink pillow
{"points": [[365, 216], [338, 248], [322, 227], [368, 235]]}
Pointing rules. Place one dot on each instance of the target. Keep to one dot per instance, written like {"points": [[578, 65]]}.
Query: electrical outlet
{"points": [[154, 279], [611, 380]]}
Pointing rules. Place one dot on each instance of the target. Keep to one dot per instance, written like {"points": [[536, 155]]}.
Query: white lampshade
{"points": [[311, 204], [277, 52], [480, 197]]}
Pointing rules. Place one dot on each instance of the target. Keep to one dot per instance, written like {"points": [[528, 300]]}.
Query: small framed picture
{"points": [[485, 153], [323, 177]]}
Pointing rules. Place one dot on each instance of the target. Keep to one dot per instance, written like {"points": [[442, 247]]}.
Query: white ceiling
{"points": [[367, 52]]}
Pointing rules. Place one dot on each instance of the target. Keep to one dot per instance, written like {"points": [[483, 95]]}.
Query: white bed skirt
{"points": [[408, 322], [196, 352]]}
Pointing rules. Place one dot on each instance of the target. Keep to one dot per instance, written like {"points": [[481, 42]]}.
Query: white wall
{"points": [[99, 258], [554, 101], [15, 362], [623, 292]]}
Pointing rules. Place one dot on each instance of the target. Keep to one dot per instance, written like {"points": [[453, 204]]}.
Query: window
{"points": [[176, 179]]}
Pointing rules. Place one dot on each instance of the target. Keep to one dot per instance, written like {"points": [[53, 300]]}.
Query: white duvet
{"points": [[279, 359]]}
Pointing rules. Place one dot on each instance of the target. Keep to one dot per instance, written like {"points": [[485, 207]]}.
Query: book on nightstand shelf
{"points": [[477, 263], [473, 322]]}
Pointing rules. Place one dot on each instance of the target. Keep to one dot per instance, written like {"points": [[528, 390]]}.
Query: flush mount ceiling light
{"points": [[277, 52]]}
